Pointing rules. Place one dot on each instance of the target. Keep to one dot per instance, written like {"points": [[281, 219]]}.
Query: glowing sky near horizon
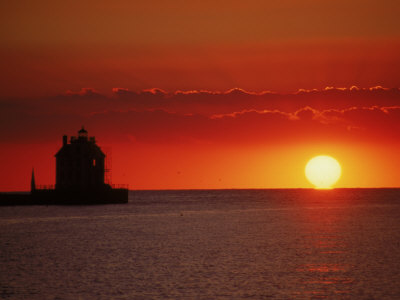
{"points": [[152, 81]]}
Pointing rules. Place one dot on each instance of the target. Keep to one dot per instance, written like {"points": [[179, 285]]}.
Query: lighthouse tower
{"points": [[80, 164]]}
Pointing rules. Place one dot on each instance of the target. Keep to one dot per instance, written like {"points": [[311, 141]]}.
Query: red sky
{"points": [[203, 94]]}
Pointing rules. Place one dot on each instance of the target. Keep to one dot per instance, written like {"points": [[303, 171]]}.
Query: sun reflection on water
{"points": [[324, 248]]}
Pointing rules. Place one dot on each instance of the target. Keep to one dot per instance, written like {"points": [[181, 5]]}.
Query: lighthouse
{"points": [[80, 164]]}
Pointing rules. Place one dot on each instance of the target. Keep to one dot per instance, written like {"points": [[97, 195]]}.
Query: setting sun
{"points": [[323, 171]]}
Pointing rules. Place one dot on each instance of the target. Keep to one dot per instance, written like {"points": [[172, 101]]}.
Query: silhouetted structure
{"points": [[33, 184], [80, 170], [80, 164]]}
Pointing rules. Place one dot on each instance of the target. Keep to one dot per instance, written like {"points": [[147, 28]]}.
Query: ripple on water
{"points": [[205, 245]]}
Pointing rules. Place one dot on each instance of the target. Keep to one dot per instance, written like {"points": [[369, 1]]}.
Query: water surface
{"points": [[227, 244]]}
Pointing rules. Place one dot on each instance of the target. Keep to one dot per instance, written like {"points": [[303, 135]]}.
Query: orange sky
{"points": [[152, 81]]}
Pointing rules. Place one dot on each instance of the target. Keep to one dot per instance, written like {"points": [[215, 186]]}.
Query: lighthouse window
{"points": [[94, 162]]}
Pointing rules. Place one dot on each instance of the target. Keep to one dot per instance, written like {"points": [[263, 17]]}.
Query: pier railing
{"points": [[120, 186], [52, 186], [45, 187]]}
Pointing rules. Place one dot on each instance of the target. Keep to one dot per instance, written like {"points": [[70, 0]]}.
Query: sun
{"points": [[323, 171]]}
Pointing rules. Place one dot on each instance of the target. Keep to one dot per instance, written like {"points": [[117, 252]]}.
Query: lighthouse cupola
{"points": [[83, 134]]}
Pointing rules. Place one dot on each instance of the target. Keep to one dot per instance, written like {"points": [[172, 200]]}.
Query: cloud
{"points": [[247, 127], [307, 113], [121, 91], [234, 116], [84, 92], [88, 101], [216, 102]]}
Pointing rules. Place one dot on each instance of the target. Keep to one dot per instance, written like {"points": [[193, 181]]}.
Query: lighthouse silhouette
{"points": [[80, 164]]}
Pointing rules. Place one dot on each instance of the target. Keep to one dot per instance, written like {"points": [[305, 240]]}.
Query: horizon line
{"points": [[244, 189]]}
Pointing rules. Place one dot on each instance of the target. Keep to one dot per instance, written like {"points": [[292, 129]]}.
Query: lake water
{"points": [[228, 244]]}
